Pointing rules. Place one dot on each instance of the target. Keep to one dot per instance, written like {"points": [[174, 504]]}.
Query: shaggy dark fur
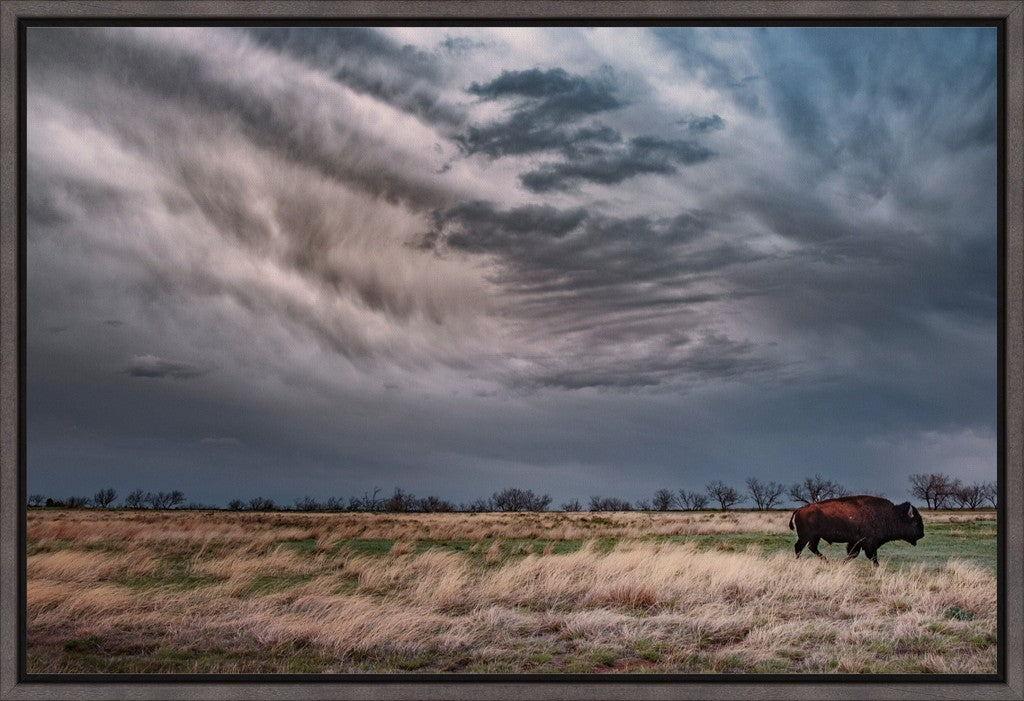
{"points": [[862, 522]]}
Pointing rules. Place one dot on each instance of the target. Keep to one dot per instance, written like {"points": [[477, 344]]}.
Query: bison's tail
{"points": [[793, 516]]}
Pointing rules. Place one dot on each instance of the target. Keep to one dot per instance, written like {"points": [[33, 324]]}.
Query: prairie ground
{"points": [[678, 592]]}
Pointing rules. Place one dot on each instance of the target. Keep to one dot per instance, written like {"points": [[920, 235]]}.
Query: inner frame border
{"points": [[1008, 15]]}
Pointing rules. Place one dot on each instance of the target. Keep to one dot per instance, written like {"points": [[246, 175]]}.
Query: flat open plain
{"points": [[637, 592]]}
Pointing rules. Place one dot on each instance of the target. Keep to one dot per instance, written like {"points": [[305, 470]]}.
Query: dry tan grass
{"points": [[232, 597], [258, 530]]}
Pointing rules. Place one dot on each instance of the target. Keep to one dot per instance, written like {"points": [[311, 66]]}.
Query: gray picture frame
{"points": [[1010, 12]]}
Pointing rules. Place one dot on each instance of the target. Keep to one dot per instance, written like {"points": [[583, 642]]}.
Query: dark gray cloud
{"points": [[544, 103], [368, 61], [704, 124], [545, 248], [674, 359], [643, 155], [460, 46], [153, 366], [522, 134], [553, 95], [607, 284]]}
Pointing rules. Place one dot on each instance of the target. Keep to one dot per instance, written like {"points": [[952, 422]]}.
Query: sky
{"points": [[288, 261]]}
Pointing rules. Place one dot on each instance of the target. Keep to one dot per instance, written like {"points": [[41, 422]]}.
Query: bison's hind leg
{"points": [[813, 545], [853, 549]]}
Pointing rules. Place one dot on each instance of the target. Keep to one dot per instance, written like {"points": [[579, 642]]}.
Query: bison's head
{"points": [[913, 525]]}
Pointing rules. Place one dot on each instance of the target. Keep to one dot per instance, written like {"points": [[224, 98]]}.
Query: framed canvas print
{"points": [[653, 350]]}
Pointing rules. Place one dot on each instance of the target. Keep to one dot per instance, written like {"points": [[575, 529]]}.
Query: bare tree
{"points": [[401, 501], [261, 504], [663, 500], [480, 505], [308, 503], [515, 499], [936, 488], [609, 504], [236, 505], [76, 502], [435, 505], [692, 501], [36, 500], [136, 499], [765, 495], [725, 495], [814, 489], [164, 500], [991, 493], [104, 498], [947, 497], [370, 502], [970, 496], [572, 505]]}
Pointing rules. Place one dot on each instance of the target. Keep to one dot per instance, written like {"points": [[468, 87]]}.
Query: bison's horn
{"points": [[910, 514]]}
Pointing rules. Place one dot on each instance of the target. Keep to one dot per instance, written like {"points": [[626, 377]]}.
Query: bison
{"points": [[862, 522]]}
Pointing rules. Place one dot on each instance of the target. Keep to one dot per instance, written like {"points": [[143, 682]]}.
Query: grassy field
{"points": [[202, 592]]}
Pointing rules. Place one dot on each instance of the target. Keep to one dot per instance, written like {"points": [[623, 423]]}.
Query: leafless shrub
{"points": [[726, 496], [765, 495], [104, 497], [692, 501], [815, 489]]}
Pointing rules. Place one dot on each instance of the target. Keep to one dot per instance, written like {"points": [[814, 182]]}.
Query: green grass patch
{"points": [[374, 547], [539, 658], [87, 644], [300, 547], [971, 541], [273, 583], [419, 661], [178, 580], [46, 546], [603, 657], [174, 573], [648, 650], [959, 614]]}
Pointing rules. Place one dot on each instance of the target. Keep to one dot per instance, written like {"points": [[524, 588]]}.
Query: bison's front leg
{"points": [[813, 546]]}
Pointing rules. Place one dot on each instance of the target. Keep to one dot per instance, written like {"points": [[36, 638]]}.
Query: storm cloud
{"points": [[455, 259], [644, 154]]}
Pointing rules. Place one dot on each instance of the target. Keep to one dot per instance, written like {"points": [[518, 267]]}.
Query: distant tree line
{"points": [[105, 498], [718, 494], [941, 491], [938, 491]]}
